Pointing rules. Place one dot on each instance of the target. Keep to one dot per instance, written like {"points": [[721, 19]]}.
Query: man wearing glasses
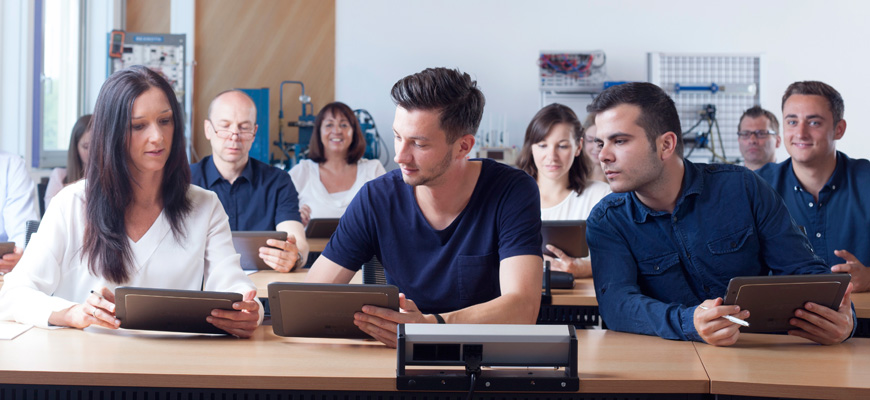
{"points": [[825, 191], [255, 195], [758, 137]]}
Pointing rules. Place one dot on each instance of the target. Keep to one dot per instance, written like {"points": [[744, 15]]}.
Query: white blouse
{"points": [[577, 206], [53, 275], [306, 178]]}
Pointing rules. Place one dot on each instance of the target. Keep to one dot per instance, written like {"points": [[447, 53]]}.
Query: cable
{"points": [[472, 379]]}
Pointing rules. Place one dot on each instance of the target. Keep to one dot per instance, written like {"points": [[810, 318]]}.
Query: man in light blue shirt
{"points": [[17, 206]]}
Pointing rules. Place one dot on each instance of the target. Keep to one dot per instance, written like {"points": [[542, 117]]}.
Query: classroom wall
{"points": [[498, 42], [259, 43], [148, 16]]}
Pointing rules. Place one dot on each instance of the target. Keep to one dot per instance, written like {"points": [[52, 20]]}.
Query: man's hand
{"points": [[822, 324], [713, 328], [243, 321], [305, 212], [579, 267], [860, 273], [98, 309], [282, 256], [9, 260], [382, 323]]}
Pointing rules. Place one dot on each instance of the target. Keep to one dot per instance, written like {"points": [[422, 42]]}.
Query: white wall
{"points": [[497, 42]]}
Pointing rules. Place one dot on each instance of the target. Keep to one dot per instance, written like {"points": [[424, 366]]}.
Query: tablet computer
{"points": [[248, 243], [569, 236], [325, 310], [6, 248], [170, 309], [321, 228], [772, 300]]}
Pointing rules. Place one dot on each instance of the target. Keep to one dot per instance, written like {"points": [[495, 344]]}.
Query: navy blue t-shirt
{"points": [[450, 269], [261, 197]]}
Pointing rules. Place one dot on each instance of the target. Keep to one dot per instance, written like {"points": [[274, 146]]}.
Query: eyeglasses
{"points": [[244, 134], [759, 134]]}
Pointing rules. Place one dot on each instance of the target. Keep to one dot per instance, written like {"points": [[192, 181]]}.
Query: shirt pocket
{"points": [[478, 277], [736, 253], [658, 265], [661, 277]]}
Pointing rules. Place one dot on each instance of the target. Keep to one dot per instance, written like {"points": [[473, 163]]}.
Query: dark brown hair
{"points": [[450, 92], [658, 114], [109, 184], [357, 145], [75, 166], [755, 112], [539, 128], [835, 101]]}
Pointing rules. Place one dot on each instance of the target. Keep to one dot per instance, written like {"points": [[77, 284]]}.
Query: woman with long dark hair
{"points": [[76, 159], [134, 221], [335, 170], [552, 153]]}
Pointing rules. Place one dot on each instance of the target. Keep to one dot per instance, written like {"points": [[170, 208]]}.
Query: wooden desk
{"points": [[609, 362], [583, 294], [317, 244], [262, 279], [785, 366], [862, 304]]}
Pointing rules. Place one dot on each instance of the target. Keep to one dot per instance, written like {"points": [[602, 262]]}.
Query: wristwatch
{"points": [[298, 261]]}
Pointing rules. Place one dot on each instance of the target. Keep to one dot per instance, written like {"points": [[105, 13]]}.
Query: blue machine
{"points": [[293, 152], [370, 130], [260, 147]]}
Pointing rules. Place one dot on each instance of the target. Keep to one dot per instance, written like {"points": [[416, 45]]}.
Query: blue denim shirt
{"points": [[652, 268], [840, 219]]}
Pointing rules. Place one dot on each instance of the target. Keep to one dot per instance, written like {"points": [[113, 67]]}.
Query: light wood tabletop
{"points": [[262, 279], [583, 294], [317, 244], [862, 304], [790, 367], [609, 362]]}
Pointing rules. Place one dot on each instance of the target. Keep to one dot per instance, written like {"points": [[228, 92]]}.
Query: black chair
{"points": [[373, 272], [40, 192], [30, 229]]}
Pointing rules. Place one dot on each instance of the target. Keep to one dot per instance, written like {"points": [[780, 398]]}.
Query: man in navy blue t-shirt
{"points": [[672, 234], [256, 196], [826, 191], [459, 237]]}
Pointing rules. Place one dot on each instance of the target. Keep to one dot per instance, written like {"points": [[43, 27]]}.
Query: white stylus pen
{"points": [[735, 320]]}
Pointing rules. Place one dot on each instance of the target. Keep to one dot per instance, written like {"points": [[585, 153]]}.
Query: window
{"points": [[59, 76]]}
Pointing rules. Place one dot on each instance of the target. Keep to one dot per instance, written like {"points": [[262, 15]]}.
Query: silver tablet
{"points": [[325, 310], [568, 236], [772, 300], [248, 243], [170, 309]]}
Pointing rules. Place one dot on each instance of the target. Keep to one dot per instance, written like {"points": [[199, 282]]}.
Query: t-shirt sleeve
{"points": [[519, 220], [353, 242], [288, 201]]}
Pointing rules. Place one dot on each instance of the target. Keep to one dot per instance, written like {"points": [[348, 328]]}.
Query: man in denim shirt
{"points": [[825, 191], [674, 233]]}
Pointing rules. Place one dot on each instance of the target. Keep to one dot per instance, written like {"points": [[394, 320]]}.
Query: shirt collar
{"points": [[693, 184], [212, 175], [837, 179]]}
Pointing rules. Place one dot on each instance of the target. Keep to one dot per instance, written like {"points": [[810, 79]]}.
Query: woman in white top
{"points": [[335, 170], [76, 159], [135, 221], [552, 154]]}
